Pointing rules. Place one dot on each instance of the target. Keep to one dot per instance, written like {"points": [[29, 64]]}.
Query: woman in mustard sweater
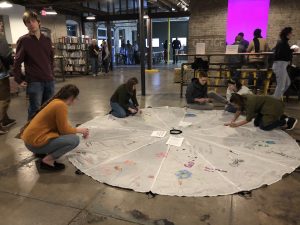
{"points": [[49, 131]]}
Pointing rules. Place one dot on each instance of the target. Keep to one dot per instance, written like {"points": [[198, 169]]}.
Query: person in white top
{"points": [[235, 86]]}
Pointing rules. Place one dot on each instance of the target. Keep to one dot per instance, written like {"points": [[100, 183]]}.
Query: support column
{"points": [[142, 45], [169, 38], [149, 41], [108, 29], [95, 30]]}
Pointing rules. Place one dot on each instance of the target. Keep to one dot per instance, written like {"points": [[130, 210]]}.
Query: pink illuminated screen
{"points": [[245, 16]]}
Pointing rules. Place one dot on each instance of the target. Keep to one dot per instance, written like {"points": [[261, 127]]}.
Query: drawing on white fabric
{"points": [[211, 160]]}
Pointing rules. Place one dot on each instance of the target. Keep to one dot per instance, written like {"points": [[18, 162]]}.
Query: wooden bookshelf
{"points": [[74, 51]]}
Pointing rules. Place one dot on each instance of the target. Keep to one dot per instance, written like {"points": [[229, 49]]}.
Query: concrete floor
{"points": [[28, 197]]}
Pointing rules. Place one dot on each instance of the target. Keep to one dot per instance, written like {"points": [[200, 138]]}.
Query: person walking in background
{"points": [[244, 42], [93, 55], [49, 132], [176, 45], [136, 53], [123, 53], [6, 60], [166, 51], [129, 51], [105, 56], [35, 51], [257, 45], [282, 57]]}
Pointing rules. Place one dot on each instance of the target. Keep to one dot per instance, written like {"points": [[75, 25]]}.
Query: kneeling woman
{"points": [[123, 102], [267, 111], [49, 131]]}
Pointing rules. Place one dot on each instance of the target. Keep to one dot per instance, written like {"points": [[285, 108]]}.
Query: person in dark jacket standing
{"points": [[197, 96], [35, 50], [267, 112], [282, 57], [176, 45], [94, 54], [6, 60], [123, 102]]}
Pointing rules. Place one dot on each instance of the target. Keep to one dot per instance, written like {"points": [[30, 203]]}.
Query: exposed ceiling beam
{"points": [[173, 5], [135, 16]]}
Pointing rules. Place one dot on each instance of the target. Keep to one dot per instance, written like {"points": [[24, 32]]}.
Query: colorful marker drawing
{"points": [[183, 174], [189, 164], [161, 155]]}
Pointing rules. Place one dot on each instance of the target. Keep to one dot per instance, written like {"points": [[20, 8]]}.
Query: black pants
{"points": [[105, 65], [175, 57], [4, 98], [258, 122]]}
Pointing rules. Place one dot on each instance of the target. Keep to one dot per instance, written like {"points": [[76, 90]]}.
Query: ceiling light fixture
{"points": [[5, 5], [90, 17], [49, 11]]}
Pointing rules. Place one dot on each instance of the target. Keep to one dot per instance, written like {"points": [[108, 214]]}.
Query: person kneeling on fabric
{"points": [[49, 131], [267, 111], [235, 86], [123, 102], [197, 96]]}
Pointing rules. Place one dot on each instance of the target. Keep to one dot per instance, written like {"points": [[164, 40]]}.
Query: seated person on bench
{"points": [[197, 96]]}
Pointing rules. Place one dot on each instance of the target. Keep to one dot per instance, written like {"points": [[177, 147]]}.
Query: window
{"points": [[71, 30]]}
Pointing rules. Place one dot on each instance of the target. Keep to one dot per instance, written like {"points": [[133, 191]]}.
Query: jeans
{"points": [[57, 147], [201, 106], [118, 111], [258, 122], [94, 64], [105, 65], [216, 97], [282, 78], [4, 97], [38, 93]]}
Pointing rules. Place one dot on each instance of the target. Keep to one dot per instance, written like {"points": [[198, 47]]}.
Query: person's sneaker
{"points": [[8, 122], [291, 123], [56, 167], [2, 130], [94, 75]]}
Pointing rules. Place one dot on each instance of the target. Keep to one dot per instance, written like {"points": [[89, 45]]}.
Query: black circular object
{"points": [[175, 131]]}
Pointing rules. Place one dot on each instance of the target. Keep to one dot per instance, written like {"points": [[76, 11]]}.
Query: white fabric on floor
{"points": [[212, 160]]}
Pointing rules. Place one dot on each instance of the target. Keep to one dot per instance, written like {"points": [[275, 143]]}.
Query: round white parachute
{"points": [[206, 159]]}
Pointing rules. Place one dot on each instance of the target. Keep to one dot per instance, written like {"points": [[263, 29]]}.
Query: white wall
{"points": [[16, 26]]}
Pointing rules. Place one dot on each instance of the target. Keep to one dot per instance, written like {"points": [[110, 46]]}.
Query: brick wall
{"points": [[208, 22]]}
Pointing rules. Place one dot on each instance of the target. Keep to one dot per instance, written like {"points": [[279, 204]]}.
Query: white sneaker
{"points": [[94, 75]]}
